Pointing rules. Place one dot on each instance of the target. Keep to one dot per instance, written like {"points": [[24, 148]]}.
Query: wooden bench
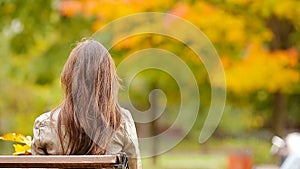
{"points": [[119, 161]]}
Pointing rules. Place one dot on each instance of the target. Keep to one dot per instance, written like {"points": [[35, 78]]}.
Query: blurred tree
{"points": [[35, 42], [282, 29], [274, 65], [257, 41]]}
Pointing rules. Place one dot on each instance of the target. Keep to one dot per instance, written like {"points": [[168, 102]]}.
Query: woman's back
{"points": [[46, 140], [89, 120]]}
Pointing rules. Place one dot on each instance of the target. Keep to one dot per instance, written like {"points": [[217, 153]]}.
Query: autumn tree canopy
{"points": [[257, 41]]}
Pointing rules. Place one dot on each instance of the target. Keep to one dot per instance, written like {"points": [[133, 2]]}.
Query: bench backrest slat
{"points": [[61, 161]]}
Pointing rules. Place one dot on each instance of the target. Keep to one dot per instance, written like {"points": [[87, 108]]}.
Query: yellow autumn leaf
{"points": [[21, 149], [15, 137]]}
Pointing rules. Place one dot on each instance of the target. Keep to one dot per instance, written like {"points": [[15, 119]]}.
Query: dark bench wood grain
{"points": [[62, 161]]}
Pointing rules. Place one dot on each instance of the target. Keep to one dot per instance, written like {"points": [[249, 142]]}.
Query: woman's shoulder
{"points": [[42, 120], [45, 140], [45, 119], [128, 124], [126, 115]]}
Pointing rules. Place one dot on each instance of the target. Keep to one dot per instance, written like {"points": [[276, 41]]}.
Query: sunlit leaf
{"points": [[21, 149], [15, 137]]}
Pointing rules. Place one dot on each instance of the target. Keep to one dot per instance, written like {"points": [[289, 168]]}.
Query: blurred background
{"points": [[257, 41]]}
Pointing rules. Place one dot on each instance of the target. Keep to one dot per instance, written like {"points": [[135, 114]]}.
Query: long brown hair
{"points": [[90, 112]]}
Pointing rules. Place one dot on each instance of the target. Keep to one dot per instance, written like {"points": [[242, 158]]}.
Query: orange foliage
{"points": [[70, 8], [219, 26], [261, 69], [180, 9]]}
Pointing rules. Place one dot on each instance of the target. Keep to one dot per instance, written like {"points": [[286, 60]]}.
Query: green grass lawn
{"points": [[211, 155], [187, 161]]}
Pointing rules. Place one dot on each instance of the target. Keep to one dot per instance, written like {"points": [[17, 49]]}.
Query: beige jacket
{"points": [[46, 140]]}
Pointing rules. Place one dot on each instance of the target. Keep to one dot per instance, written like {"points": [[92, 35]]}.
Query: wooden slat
{"points": [[71, 161]]}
